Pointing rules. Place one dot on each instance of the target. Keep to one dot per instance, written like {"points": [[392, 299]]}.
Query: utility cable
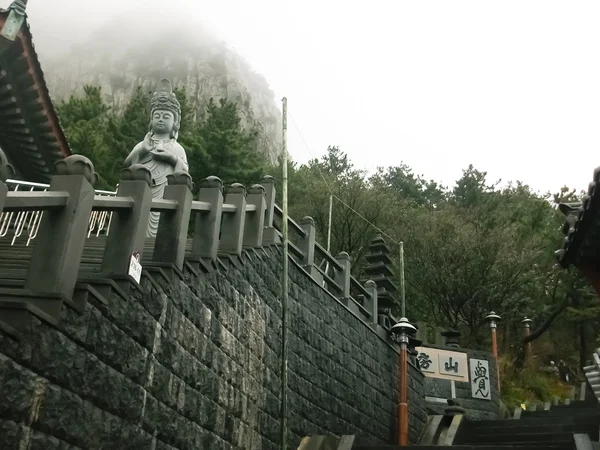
{"points": [[383, 233]]}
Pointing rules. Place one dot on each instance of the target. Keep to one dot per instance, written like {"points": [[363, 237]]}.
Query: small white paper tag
{"points": [[135, 267]]}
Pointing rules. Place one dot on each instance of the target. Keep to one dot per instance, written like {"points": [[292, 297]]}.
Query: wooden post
{"points": [[403, 407], [128, 227], [171, 237], [493, 319], [205, 244], [401, 331], [527, 331], [54, 265]]}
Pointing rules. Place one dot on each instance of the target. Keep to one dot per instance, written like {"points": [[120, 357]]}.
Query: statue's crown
{"points": [[164, 98]]}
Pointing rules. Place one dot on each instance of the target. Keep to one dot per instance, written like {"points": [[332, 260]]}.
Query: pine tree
{"points": [[85, 121], [224, 148]]}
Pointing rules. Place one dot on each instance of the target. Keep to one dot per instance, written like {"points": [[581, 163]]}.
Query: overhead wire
{"points": [[383, 233]]}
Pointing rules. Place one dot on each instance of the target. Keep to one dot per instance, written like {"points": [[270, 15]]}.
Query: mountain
{"points": [[120, 56]]}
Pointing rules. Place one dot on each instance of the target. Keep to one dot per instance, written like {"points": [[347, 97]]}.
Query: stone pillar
{"points": [[255, 220], [171, 237], [3, 193], [128, 227], [205, 244], [270, 235], [371, 301], [306, 244], [342, 277], [413, 343], [232, 229], [54, 265], [452, 338]]}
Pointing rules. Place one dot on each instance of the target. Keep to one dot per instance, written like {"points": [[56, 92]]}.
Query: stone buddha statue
{"points": [[159, 151]]}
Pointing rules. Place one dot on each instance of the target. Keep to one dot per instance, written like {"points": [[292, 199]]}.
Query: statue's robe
{"points": [[160, 170]]}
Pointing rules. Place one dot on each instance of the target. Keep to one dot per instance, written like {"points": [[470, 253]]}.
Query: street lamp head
{"points": [[403, 329], [492, 318], [526, 322]]}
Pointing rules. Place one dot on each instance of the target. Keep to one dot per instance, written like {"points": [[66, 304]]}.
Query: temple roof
{"points": [[581, 246], [30, 132]]}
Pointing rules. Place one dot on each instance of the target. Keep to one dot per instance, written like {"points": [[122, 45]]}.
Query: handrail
{"points": [[354, 282], [330, 281], [105, 203], [11, 182], [229, 208], [201, 206], [328, 256], [35, 201], [161, 204], [292, 222]]}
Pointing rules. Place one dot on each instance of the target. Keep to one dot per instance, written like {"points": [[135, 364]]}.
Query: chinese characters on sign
{"points": [[480, 379], [444, 364]]}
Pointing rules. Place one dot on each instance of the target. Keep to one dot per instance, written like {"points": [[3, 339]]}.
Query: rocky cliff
{"points": [[120, 56]]}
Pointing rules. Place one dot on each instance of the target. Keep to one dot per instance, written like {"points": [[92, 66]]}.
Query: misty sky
{"points": [[510, 86]]}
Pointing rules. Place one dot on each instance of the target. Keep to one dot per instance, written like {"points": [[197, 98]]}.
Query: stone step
{"points": [[511, 437], [555, 411], [524, 446], [588, 426]]}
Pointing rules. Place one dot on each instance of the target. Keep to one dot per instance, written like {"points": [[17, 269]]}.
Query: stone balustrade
{"points": [[232, 222]]}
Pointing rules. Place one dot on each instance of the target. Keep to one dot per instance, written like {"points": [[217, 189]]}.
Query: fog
{"points": [[509, 86]]}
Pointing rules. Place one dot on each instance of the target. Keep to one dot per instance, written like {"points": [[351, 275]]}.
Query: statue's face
{"points": [[163, 122]]}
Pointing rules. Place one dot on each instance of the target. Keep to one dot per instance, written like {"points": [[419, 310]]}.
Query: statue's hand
{"points": [[147, 145], [164, 155]]}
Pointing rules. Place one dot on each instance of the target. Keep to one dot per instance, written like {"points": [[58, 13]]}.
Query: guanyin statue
{"points": [[159, 151]]}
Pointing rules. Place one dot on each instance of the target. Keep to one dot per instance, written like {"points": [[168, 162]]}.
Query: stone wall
{"points": [[194, 363], [475, 409]]}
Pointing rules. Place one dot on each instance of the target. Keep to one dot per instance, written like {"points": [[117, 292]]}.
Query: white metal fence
{"points": [[25, 224]]}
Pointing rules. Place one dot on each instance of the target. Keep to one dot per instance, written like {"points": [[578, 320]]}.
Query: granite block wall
{"points": [[476, 409], [195, 364]]}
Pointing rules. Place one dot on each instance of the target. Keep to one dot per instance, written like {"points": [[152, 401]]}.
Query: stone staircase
{"points": [[562, 427], [592, 373]]}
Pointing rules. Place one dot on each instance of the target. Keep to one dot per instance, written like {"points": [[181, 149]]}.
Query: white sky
{"points": [[510, 86]]}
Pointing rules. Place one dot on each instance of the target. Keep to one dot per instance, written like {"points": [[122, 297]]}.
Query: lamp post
{"points": [[402, 331], [527, 328], [493, 319]]}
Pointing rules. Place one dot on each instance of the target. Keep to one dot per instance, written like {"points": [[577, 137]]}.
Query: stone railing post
{"points": [[232, 229], [342, 277], [255, 221], [270, 235], [5, 172], [3, 192], [128, 227], [306, 244], [205, 244], [171, 237], [371, 301], [56, 257]]}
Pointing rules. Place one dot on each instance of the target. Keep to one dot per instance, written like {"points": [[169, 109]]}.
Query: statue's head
{"points": [[165, 111]]}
